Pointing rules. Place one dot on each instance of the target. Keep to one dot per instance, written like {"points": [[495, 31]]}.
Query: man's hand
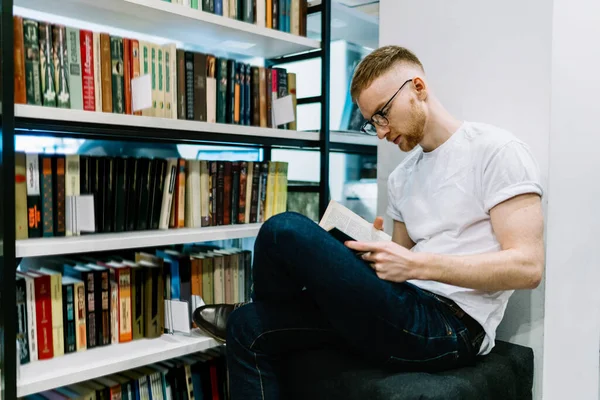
{"points": [[390, 261]]}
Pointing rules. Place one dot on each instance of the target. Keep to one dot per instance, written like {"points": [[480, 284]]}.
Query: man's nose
{"points": [[382, 131]]}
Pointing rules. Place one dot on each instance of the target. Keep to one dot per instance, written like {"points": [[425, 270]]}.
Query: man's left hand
{"points": [[390, 261]]}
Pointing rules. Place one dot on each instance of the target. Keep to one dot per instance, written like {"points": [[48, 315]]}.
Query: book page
{"points": [[340, 217]]}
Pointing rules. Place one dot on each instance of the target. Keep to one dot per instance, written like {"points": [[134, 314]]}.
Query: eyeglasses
{"points": [[380, 117]]}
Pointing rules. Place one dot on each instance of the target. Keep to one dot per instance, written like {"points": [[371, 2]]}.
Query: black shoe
{"points": [[212, 319]]}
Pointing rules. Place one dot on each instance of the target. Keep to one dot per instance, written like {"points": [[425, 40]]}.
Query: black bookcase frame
{"points": [[12, 125]]}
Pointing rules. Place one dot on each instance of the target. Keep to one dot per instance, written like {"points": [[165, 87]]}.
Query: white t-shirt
{"points": [[444, 197]]}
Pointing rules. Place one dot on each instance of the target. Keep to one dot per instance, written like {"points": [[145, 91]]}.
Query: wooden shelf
{"points": [[130, 240], [71, 368], [99, 124], [178, 23]]}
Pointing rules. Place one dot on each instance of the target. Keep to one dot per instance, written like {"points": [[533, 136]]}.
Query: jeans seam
{"points": [[262, 390], [284, 330]]}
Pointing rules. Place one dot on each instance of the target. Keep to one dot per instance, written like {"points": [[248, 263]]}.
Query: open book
{"points": [[344, 224]]}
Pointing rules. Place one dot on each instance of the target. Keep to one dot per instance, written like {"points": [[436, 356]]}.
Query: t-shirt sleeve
{"points": [[392, 210], [511, 171]]}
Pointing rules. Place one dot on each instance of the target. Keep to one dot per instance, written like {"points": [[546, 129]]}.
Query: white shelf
{"points": [[129, 240], [90, 364], [133, 121], [178, 23], [352, 138]]}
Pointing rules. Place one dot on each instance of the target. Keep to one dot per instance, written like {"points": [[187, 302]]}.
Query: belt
{"points": [[476, 332]]}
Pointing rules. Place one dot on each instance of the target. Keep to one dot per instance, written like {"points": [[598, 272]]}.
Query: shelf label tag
{"points": [[141, 93], [283, 110]]}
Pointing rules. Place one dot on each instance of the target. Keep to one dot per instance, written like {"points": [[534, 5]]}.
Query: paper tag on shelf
{"points": [[85, 221], [283, 110], [177, 316], [141, 93]]}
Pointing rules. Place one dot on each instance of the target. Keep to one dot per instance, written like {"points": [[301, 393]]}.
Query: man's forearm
{"points": [[503, 270]]}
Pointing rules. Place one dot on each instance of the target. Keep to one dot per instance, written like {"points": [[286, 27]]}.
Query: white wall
{"points": [[487, 62], [572, 326]]}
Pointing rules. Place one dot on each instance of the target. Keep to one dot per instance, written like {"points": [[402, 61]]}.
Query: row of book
{"points": [[70, 304], [58, 66], [284, 15], [130, 194], [198, 376]]}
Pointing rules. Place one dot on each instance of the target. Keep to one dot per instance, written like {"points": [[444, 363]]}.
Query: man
{"points": [[465, 201]]}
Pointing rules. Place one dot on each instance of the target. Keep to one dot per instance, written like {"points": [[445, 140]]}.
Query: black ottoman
{"points": [[504, 374]]}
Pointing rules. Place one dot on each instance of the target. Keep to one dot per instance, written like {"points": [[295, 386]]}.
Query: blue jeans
{"points": [[311, 291]]}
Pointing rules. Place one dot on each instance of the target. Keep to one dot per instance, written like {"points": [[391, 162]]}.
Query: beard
{"points": [[413, 134]]}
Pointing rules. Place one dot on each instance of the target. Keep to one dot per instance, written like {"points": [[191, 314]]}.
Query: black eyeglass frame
{"points": [[381, 113]]}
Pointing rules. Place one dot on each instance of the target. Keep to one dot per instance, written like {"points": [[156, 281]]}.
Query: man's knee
{"points": [[284, 224]]}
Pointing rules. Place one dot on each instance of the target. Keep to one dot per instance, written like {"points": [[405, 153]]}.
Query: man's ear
{"points": [[420, 88]]}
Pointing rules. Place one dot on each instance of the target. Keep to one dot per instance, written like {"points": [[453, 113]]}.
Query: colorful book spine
{"points": [[87, 70], [75, 74], [32, 62]]}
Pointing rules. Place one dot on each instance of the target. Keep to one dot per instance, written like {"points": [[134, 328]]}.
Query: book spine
{"points": [[127, 71], [295, 17], [125, 328], [47, 65], [43, 309], [105, 327], [171, 81], [135, 65], [158, 193], [118, 90], [80, 316], [57, 315], [160, 92], [269, 96], [180, 206], [204, 194], [189, 85], [47, 201], [222, 103], [262, 97], [21, 329], [260, 9], [121, 194], [218, 4], [168, 194], [73, 183], [61, 66], [199, 87], [132, 194], [269, 13], [69, 319], [146, 69], [241, 216], [231, 70], [248, 112], [137, 302], [220, 192], [59, 189], [262, 190], [237, 94], [109, 194], [270, 191], [225, 7], [31, 319], [21, 223], [211, 89], [275, 14], [291, 80], [75, 76], [303, 15], [248, 190], [212, 183], [114, 313], [90, 295], [87, 71], [19, 61], [227, 180], [255, 103], [255, 200], [106, 73], [181, 84], [235, 191], [32, 62], [97, 57]]}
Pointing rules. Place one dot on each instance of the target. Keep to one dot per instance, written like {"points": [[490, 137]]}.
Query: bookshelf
{"points": [[77, 367], [130, 240], [187, 28], [180, 24]]}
